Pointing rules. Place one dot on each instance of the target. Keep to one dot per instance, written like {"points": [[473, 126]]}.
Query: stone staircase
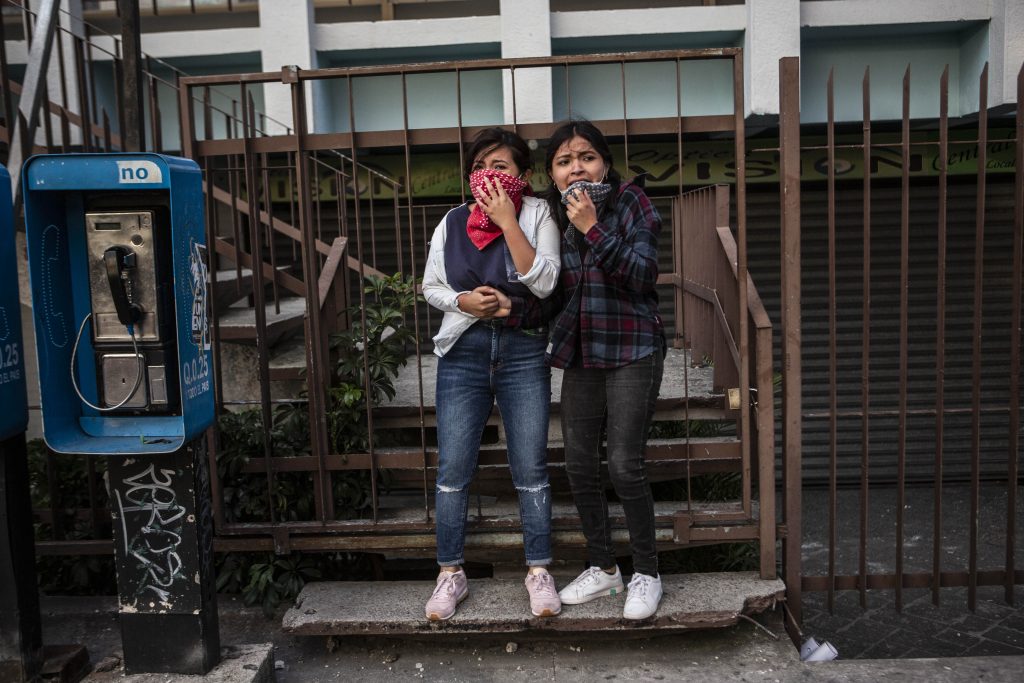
{"points": [[395, 608]]}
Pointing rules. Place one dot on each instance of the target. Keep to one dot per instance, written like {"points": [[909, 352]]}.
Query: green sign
{"points": [[437, 174]]}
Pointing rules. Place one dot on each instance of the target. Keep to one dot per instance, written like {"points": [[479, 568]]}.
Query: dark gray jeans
{"points": [[626, 397]]}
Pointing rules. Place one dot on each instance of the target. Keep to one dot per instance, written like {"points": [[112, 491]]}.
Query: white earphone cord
{"points": [[138, 377]]}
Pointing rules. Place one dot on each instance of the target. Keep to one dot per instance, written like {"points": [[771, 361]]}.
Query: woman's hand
{"points": [[504, 303], [496, 204], [581, 211], [485, 302]]}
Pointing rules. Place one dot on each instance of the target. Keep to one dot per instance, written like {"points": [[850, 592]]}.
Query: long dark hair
{"points": [[589, 132], [490, 139]]}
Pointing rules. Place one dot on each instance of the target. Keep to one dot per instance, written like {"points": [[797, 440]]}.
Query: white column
{"points": [[773, 32], [1006, 50], [286, 37], [526, 32]]}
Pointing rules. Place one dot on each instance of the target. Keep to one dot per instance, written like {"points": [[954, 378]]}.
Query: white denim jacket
{"points": [[542, 233]]}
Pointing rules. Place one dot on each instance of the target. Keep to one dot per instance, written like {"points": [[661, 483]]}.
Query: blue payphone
{"points": [[20, 627], [117, 257], [14, 415], [118, 265]]}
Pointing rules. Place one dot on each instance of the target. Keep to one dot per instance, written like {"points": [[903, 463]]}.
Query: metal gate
{"points": [[883, 371], [300, 219], [383, 228]]}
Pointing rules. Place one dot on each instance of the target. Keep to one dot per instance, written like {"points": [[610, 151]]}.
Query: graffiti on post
{"points": [[152, 521]]}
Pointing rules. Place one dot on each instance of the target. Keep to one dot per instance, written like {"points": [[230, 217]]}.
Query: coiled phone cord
{"points": [[138, 377]]}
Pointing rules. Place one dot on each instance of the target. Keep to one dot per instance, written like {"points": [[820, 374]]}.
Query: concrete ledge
{"points": [[239, 664], [692, 601]]}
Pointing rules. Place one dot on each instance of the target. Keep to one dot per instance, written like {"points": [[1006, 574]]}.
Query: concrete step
{"points": [[682, 385], [288, 361], [238, 323], [691, 601], [231, 287]]}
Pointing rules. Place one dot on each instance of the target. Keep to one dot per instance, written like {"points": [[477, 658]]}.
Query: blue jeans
{"points": [[491, 362], [624, 400]]}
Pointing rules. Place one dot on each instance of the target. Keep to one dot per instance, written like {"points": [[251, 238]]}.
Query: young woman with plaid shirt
{"points": [[610, 341]]}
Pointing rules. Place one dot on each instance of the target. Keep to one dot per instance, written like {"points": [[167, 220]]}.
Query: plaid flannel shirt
{"points": [[610, 313]]}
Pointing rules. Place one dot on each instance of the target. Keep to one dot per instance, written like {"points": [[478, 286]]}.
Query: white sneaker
{"points": [[594, 582], [643, 597]]}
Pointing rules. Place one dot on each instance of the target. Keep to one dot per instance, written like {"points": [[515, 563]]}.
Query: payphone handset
{"points": [[132, 311]]}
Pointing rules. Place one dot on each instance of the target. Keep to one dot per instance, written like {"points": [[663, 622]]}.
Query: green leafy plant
{"points": [[728, 557], [368, 357], [66, 514]]}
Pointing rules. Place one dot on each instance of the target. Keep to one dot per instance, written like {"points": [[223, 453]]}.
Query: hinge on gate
{"points": [[734, 398], [681, 523]]}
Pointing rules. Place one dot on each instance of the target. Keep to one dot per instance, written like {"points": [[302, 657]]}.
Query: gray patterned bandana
{"points": [[598, 192]]}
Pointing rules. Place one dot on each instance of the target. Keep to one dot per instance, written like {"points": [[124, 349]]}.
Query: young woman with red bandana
{"points": [[492, 264]]}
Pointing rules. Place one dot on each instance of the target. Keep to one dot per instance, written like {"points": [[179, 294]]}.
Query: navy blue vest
{"points": [[468, 267]]}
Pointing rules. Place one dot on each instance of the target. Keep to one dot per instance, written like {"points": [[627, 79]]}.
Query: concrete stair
{"points": [[238, 322], [231, 287], [691, 601]]}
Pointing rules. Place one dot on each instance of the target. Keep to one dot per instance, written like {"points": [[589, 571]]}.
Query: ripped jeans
{"points": [[491, 362]]}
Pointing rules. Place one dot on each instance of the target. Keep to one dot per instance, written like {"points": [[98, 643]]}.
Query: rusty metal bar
{"points": [[1015, 340], [679, 300], [65, 132], [154, 115], [833, 430], [107, 145], [362, 289], [269, 226], [312, 322], [62, 67], [373, 223], [515, 117], [412, 264], [917, 580], [625, 116], [83, 95], [474, 65], [236, 228], [979, 271], [865, 375], [940, 331], [568, 91], [133, 126], [789, 198], [186, 120], [259, 305], [87, 44], [901, 445], [743, 335], [315, 178]]}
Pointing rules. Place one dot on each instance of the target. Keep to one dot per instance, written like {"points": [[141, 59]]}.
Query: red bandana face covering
{"points": [[480, 229]]}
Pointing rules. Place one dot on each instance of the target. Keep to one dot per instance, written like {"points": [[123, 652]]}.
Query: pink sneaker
{"points": [[544, 601], [451, 589]]}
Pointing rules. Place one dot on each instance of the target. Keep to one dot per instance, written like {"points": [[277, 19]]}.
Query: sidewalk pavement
{"points": [[924, 642], [740, 653], [921, 629]]}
